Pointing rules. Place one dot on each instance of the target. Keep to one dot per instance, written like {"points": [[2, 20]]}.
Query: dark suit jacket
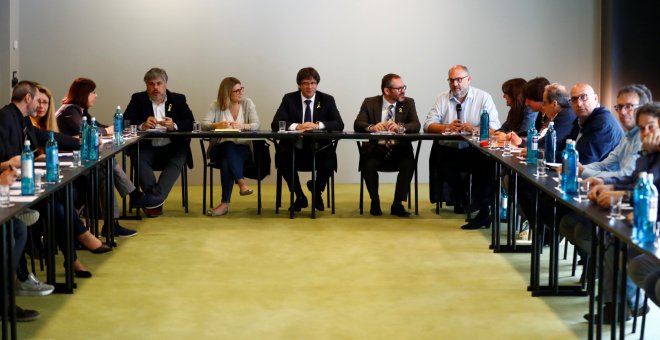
{"points": [[14, 128], [563, 126], [325, 110], [371, 113], [140, 108]]}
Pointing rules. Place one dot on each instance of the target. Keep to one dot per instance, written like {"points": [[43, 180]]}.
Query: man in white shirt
{"points": [[459, 109]]}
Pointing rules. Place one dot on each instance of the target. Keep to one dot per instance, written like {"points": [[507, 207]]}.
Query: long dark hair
{"points": [[79, 92], [514, 89]]}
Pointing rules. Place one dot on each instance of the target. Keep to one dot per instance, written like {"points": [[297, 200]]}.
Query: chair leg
{"points": [[211, 205], [258, 197], [332, 182], [565, 249], [361, 193], [574, 266], [204, 190], [636, 308], [278, 193]]}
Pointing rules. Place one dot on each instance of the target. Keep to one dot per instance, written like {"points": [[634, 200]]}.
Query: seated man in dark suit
{"points": [[159, 109], [306, 110], [385, 113]]}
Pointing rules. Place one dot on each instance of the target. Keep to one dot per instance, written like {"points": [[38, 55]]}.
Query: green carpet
{"points": [[342, 276]]}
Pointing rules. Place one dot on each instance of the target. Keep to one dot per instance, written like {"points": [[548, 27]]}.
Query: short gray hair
{"points": [[155, 73], [556, 91], [22, 89]]}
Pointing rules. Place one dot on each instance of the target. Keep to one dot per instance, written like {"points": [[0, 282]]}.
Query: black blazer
{"points": [[325, 110], [140, 108], [14, 128]]}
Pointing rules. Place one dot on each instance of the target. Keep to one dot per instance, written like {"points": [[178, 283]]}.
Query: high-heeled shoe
{"points": [[220, 212], [246, 192], [103, 248]]}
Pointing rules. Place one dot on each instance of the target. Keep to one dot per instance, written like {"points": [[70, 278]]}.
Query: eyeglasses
{"points": [[308, 83], [239, 90], [581, 97], [457, 79], [628, 107], [402, 88], [43, 102]]}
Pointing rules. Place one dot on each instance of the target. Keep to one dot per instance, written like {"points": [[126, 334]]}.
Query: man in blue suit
{"points": [[307, 110], [158, 109]]}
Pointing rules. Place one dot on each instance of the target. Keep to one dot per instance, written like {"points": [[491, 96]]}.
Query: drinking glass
{"points": [[493, 143], [475, 134], [76, 158], [540, 168], [584, 190], [507, 148], [615, 208], [127, 128], [282, 126], [195, 127], [133, 130], [401, 128], [38, 183], [4, 196]]}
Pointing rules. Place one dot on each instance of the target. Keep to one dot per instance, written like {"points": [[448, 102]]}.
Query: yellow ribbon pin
{"points": [[169, 108]]}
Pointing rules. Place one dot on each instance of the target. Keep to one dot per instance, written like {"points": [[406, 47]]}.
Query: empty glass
{"points": [[401, 128], [76, 158], [507, 148], [282, 126], [4, 196], [475, 134], [133, 130], [540, 164], [196, 127]]}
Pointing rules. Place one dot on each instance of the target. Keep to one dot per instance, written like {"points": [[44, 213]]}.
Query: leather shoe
{"points": [[318, 198], [477, 223], [154, 212], [397, 209], [299, 204], [103, 248], [375, 208], [83, 274]]}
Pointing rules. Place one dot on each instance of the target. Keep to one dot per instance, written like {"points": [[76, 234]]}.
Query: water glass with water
{"points": [[76, 158], [507, 147], [282, 126], [475, 134], [401, 128], [584, 190], [134, 130], [615, 207], [196, 127]]}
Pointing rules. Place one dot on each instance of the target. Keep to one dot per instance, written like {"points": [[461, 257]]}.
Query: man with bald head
{"points": [[459, 109]]}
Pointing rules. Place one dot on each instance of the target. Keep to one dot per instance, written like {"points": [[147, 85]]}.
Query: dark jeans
{"points": [[231, 158]]}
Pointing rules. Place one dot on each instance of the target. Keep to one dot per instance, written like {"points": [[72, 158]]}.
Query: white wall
{"points": [[352, 43]]}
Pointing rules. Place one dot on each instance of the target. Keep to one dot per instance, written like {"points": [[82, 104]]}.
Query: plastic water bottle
{"points": [[94, 140], [550, 143], [532, 145], [27, 170], [570, 169], [84, 140], [645, 213], [52, 160], [118, 135], [484, 124]]}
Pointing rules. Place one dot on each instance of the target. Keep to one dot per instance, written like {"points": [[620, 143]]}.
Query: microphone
{"points": [[459, 112]]}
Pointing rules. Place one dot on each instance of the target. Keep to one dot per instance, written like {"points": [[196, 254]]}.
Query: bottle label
{"points": [[26, 168], [653, 209], [535, 142]]}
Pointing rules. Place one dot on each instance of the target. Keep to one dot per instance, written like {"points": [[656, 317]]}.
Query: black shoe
{"points": [[482, 220], [299, 204], [101, 249], [397, 209], [83, 274], [25, 315], [318, 198], [375, 208], [139, 199], [120, 231], [607, 314]]}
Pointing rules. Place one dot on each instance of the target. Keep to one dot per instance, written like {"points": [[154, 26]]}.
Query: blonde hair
{"points": [[224, 93], [49, 119]]}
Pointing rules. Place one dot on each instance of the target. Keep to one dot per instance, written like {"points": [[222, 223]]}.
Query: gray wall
{"points": [[352, 44]]}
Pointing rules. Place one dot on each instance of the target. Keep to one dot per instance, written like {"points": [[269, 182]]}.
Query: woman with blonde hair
{"points": [[234, 111], [45, 118]]}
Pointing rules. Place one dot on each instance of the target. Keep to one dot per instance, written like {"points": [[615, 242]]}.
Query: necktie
{"points": [[390, 113], [308, 111]]}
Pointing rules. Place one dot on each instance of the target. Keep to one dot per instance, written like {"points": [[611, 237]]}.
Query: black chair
{"points": [[389, 168], [330, 186], [257, 174]]}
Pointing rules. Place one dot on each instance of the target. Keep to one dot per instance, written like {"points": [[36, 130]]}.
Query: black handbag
{"points": [[258, 164]]}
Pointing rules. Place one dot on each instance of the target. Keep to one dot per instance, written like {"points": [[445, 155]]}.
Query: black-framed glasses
{"points": [[581, 97], [628, 107], [402, 88], [457, 79], [239, 90]]}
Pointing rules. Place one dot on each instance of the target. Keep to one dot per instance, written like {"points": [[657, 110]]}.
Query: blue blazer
{"points": [[599, 134]]}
